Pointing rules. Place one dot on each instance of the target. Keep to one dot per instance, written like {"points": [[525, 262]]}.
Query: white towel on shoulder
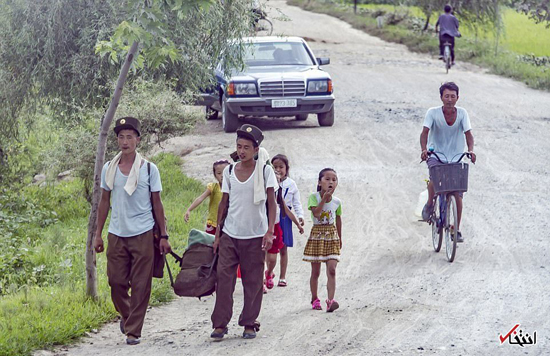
{"points": [[259, 181], [133, 177]]}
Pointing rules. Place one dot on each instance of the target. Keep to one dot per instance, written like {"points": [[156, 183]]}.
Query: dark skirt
{"points": [[286, 226]]}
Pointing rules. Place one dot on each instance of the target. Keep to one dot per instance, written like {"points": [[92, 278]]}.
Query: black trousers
{"points": [[446, 38]]}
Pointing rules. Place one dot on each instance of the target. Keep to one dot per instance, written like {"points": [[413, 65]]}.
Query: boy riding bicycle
{"points": [[448, 25], [446, 128]]}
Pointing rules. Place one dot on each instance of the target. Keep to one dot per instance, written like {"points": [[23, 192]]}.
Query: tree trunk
{"points": [[91, 271], [354, 6], [427, 23]]}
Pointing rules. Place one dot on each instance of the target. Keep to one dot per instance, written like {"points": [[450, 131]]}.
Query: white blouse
{"points": [[292, 197]]}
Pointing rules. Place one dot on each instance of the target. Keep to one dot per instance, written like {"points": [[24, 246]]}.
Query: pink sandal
{"points": [[316, 304], [269, 283], [332, 305]]}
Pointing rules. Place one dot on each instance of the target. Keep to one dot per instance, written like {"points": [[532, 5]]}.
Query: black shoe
{"points": [[441, 57], [132, 341], [122, 326], [250, 330], [249, 333], [459, 237], [219, 335]]}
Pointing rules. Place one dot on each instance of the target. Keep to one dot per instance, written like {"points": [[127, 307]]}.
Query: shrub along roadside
{"points": [[404, 29], [40, 315]]}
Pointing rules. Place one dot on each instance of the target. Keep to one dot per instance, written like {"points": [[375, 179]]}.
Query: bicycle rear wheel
{"points": [[451, 231], [447, 58], [264, 27], [437, 232]]}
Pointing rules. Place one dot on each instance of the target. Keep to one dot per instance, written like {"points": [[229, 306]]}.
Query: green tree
{"points": [[47, 58], [538, 10]]}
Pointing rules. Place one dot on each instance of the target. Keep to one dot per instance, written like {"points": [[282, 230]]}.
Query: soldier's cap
{"points": [[251, 132], [128, 122]]}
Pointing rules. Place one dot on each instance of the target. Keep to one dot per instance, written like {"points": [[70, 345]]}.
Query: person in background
{"points": [[448, 30]]}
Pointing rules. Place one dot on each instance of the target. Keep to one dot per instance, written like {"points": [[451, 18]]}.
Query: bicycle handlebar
{"points": [[467, 154]]}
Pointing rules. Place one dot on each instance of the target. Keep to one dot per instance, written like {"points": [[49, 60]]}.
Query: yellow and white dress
{"points": [[215, 198], [323, 243]]}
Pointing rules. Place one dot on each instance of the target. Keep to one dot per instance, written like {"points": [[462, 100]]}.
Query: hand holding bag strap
{"points": [[169, 272]]}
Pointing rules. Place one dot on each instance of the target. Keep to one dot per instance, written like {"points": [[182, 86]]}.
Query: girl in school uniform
{"points": [[291, 196]]}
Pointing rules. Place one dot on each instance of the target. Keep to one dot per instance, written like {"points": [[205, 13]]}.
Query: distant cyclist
{"points": [[448, 25], [257, 11]]}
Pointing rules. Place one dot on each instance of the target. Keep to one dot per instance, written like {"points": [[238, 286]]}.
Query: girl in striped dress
{"points": [[325, 239]]}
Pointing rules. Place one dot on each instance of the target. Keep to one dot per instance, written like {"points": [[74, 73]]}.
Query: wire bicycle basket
{"points": [[451, 177]]}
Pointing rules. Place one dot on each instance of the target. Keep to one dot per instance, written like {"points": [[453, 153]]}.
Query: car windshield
{"points": [[277, 54]]}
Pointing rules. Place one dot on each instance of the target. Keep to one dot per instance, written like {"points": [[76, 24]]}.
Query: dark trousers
{"points": [[446, 38], [249, 254], [130, 265]]}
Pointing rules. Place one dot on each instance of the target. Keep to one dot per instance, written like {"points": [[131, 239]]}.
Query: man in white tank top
{"points": [[246, 232]]}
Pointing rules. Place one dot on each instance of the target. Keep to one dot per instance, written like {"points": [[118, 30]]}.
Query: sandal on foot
{"points": [[265, 289], [332, 305], [269, 283], [282, 283], [316, 304], [219, 334], [427, 212]]}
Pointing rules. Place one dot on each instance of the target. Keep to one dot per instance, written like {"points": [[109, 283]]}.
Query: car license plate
{"points": [[284, 103]]}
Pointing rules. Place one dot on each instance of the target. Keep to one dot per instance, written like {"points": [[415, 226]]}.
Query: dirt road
{"points": [[397, 296]]}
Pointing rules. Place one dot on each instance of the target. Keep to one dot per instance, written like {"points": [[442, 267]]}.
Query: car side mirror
{"points": [[323, 61]]}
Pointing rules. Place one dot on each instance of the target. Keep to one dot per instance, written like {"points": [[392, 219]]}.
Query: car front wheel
{"points": [[230, 121], [326, 118]]}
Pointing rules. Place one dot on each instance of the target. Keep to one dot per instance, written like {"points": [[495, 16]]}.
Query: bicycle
{"points": [[447, 179], [262, 24], [447, 56]]}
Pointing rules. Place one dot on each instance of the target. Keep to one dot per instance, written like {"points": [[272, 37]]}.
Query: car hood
{"points": [[278, 73]]}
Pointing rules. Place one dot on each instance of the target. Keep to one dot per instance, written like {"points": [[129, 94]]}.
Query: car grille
{"points": [[283, 88]]}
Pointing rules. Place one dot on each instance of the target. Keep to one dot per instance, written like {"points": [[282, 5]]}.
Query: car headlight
{"points": [[319, 86], [242, 89]]}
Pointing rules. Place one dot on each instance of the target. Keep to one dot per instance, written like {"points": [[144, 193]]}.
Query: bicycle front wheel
{"points": [[451, 231], [264, 27], [437, 230]]}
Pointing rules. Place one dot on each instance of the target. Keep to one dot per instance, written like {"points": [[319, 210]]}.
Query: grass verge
{"points": [[402, 27], [50, 307]]}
